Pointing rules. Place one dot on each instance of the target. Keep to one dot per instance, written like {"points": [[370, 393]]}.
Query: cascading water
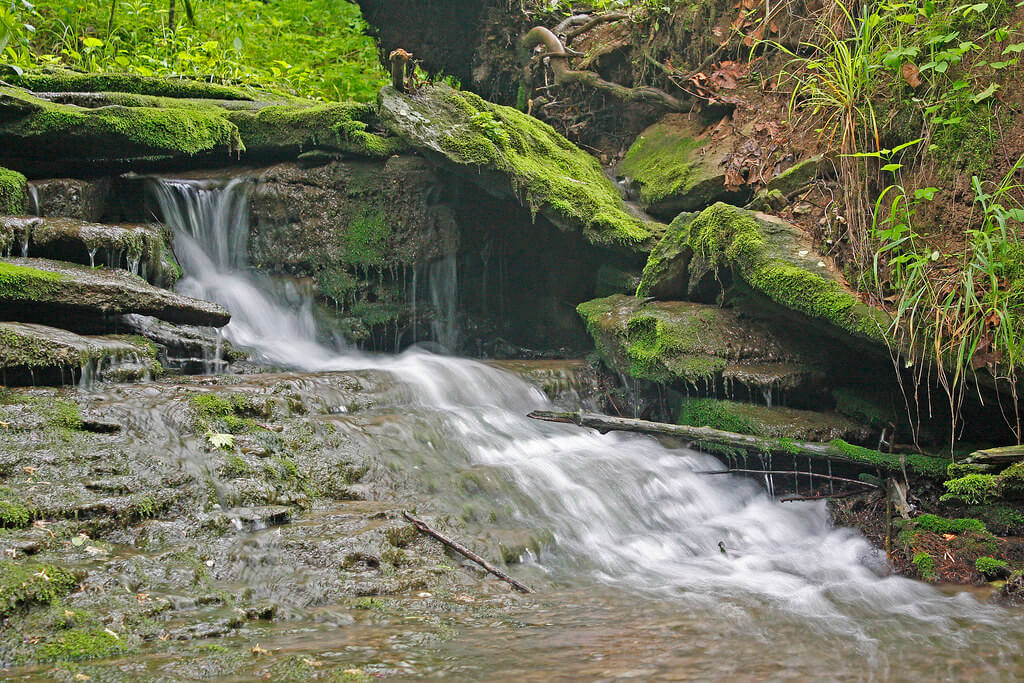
{"points": [[624, 511]]}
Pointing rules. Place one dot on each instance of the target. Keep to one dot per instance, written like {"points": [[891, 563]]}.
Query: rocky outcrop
{"points": [[69, 198], [511, 155], [189, 349], [80, 298], [702, 254], [685, 344], [37, 354]]}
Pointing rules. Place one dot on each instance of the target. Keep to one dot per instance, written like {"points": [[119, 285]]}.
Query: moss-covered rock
{"points": [[13, 192], [36, 354], [62, 80], [775, 422], [684, 343], [79, 297], [772, 257], [673, 169], [510, 154], [24, 585]]}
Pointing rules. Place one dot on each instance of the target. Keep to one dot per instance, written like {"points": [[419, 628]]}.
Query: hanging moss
{"points": [[13, 192]]}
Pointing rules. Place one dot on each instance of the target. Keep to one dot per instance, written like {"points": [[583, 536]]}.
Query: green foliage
{"points": [[1001, 519], [922, 465], [314, 48], [14, 515], [991, 568], [925, 565]]}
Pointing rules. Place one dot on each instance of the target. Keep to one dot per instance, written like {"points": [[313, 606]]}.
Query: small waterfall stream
{"points": [[625, 512]]}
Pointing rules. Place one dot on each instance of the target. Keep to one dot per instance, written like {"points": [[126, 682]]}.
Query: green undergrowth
{"points": [[226, 413], [924, 563], [546, 171], [13, 192], [991, 568]]}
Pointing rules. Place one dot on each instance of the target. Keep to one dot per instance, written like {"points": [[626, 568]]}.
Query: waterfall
{"points": [[624, 510]]}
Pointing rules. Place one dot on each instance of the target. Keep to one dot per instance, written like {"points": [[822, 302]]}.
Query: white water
{"points": [[624, 511]]}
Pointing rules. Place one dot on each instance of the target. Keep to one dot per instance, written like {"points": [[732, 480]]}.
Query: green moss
{"points": [[664, 163], [44, 129], [972, 489], [23, 283], [64, 415], [13, 192], [546, 171], [709, 412], [865, 406], [990, 567], [1001, 519], [366, 239], [231, 413], [764, 255], [942, 525], [14, 515], [80, 644], [235, 466], [661, 350], [343, 127], [922, 465], [925, 565], [59, 80], [25, 585]]}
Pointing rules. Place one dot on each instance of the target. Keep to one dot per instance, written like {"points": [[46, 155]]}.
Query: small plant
{"points": [[972, 489], [991, 568], [491, 127], [925, 565]]}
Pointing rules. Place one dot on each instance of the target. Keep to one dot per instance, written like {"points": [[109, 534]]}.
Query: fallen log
{"points": [[425, 528], [1004, 455], [922, 465]]}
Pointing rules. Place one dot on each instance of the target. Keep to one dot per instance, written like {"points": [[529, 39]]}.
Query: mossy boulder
{"points": [[82, 298], [773, 422], [675, 166], [771, 257], [13, 192], [63, 80], [683, 343], [509, 154], [37, 354]]}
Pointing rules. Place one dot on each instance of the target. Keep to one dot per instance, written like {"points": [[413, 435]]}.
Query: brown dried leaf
{"points": [[911, 74]]}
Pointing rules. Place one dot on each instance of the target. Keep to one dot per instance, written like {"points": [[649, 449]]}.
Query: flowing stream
{"points": [[635, 581]]}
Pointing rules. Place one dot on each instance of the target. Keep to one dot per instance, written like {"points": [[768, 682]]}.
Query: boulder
{"points": [[767, 255], [686, 344], [36, 354], [512, 155], [81, 298], [69, 198], [674, 166]]}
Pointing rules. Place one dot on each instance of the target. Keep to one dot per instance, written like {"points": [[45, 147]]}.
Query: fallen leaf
{"points": [[948, 537], [911, 74]]}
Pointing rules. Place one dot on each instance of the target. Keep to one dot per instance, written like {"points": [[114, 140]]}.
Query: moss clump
{"points": [[925, 565], [80, 644], [366, 239], [14, 515], [991, 568], [665, 163], [1001, 519], [231, 414], [709, 412], [922, 465], [234, 467], [13, 192], [65, 415], [767, 256], [60, 80], [24, 283], [344, 127], [972, 489], [543, 169], [25, 585], [942, 525], [876, 410], [44, 129]]}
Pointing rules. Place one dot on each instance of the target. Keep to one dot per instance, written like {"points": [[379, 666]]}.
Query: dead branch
{"points": [[425, 528], [565, 75], [829, 477]]}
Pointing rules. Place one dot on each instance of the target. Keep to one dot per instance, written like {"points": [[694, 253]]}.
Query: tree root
{"points": [[565, 75]]}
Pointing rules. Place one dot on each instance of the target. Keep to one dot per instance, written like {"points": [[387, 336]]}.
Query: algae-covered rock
{"points": [[685, 343], [772, 257], [510, 154], [773, 422], [13, 192], [37, 354], [70, 198], [675, 168], [79, 297]]}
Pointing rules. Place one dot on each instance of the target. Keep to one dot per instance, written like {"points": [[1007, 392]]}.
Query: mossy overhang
{"points": [[507, 153], [773, 258]]}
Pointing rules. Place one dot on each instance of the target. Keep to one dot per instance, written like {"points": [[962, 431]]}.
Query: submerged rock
{"points": [[80, 298], [37, 354], [512, 155], [690, 344]]}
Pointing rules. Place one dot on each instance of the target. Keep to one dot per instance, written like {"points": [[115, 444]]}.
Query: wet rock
{"points": [[690, 344], [37, 354], [676, 165], [48, 292], [253, 518], [772, 422], [192, 350], [69, 198]]}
